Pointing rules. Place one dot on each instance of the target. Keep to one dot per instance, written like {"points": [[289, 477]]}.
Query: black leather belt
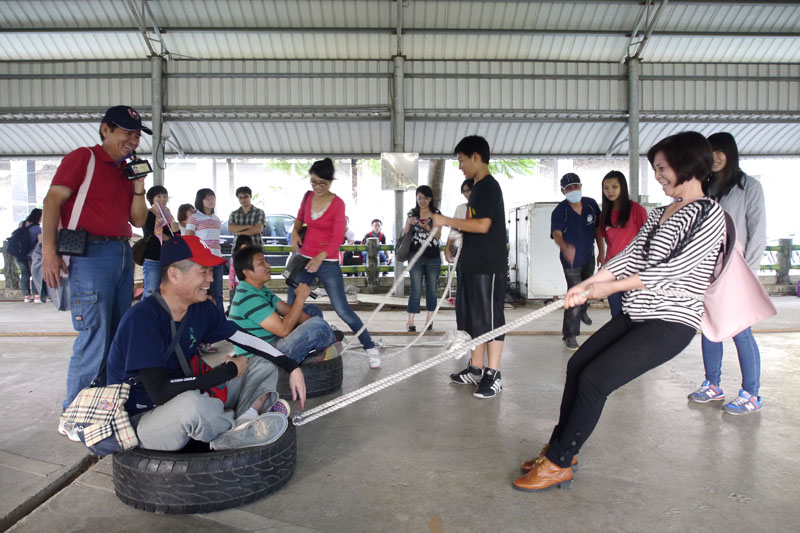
{"points": [[106, 238]]}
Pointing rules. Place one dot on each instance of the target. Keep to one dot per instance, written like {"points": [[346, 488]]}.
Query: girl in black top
{"points": [[420, 224], [159, 225]]}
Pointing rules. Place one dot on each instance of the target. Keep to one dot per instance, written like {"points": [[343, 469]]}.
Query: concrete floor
{"points": [[426, 455]]}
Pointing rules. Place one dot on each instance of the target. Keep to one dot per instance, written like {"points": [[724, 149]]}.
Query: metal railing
{"points": [[783, 258]]}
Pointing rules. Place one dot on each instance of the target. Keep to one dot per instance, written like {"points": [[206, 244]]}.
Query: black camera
{"points": [[136, 168]]}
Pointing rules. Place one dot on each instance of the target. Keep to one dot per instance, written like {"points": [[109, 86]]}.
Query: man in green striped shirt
{"points": [[296, 330]]}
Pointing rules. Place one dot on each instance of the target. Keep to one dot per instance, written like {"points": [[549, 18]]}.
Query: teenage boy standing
{"points": [[484, 261]]}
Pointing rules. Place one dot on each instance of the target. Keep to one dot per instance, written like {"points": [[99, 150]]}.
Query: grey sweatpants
{"points": [[193, 415]]}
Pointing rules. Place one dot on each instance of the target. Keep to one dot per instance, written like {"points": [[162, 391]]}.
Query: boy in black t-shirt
{"points": [[483, 266]]}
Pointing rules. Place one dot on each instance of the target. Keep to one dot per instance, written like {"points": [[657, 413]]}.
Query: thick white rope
{"points": [[348, 348], [456, 350], [419, 336]]}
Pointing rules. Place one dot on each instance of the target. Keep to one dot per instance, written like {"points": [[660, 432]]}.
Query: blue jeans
{"points": [[430, 268], [330, 276], [216, 288], [101, 289], [152, 277], [25, 275], [313, 334], [381, 257], [615, 303], [749, 360]]}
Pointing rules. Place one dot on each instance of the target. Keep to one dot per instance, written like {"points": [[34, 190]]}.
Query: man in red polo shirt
{"points": [[100, 283]]}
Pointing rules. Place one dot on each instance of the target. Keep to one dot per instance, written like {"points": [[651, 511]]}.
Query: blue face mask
{"points": [[574, 197]]}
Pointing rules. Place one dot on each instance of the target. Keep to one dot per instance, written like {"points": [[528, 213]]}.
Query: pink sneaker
{"points": [[282, 407], [27, 299]]}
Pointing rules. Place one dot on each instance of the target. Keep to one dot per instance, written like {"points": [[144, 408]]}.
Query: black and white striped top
{"points": [[665, 265]]}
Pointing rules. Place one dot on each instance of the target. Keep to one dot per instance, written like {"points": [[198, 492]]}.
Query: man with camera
{"points": [[102, 190]]}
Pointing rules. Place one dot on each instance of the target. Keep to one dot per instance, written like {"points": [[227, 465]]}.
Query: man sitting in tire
{"points": [[296, 330], [230, 406]]}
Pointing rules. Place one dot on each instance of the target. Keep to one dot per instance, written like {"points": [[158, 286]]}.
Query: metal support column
{"points": [[158, 106], [633, 127], [398, 132]]}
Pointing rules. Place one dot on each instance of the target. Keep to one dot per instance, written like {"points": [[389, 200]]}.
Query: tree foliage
{"points": [[513, 167], [290, 167]]}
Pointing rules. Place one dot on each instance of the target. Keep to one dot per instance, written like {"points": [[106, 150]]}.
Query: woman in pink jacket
{"points": [[323, 213]]}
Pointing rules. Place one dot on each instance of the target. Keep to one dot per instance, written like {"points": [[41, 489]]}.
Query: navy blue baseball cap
{"points": [[126, 118], [568, 179], [189, 247]]}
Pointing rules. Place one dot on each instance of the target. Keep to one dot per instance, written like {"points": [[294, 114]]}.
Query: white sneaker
{"points": [[66, 428], [265, 429], [37, 299], [374, 357]]}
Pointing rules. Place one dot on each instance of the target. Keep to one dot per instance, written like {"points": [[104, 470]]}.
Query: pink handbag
{"points": [[735, 300]]}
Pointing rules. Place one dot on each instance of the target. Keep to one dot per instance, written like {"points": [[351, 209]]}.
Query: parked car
{"points": [[277, 230]]}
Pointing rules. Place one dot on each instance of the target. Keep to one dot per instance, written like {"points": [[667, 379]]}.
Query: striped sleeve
{"points": [[672, 261]]}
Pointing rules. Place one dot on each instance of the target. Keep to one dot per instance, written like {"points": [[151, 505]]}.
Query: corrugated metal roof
{"points": [[295, 138], [53, 139], [302, 77], [346, 138], [365, 29]]}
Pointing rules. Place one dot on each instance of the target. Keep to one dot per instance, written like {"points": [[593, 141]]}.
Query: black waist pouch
{"points": [[72, 242]]}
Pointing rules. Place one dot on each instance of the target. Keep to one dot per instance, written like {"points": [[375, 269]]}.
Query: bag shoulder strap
{"points": [[303, 207], [176, 335], [77, 207]]}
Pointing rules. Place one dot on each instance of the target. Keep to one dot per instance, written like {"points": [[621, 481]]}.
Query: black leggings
{"points": [[618, 353]]}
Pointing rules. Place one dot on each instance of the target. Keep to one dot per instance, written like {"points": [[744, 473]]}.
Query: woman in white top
{"points": [[184, 212], [454, 241], [206, 225], [675, 250]]}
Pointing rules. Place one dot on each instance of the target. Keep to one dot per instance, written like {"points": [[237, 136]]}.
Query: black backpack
{"points": [[20, 243]]}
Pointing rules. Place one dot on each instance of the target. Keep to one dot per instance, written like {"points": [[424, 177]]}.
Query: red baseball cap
{"points": [[189, 247]]}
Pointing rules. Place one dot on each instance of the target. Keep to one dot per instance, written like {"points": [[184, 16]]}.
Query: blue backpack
{"points": [[20, 243]]}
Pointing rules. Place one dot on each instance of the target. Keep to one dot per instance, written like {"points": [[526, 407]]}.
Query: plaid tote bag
{"points": [[99, 417]]}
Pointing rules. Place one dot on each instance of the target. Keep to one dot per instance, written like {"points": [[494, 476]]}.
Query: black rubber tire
{"points": [[180, 483], [322, 377]]}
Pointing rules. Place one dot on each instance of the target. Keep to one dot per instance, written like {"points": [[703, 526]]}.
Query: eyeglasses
{"points": [[319, 183]]}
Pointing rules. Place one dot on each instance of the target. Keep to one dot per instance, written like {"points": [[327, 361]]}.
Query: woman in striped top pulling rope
{"points": [[675, 251]]}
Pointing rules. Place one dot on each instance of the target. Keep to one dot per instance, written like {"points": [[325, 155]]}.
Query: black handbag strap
{"points": [[303, 207], [176, 336]]}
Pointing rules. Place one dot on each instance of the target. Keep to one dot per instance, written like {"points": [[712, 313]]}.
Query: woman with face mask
{"points": [[743, 199]]}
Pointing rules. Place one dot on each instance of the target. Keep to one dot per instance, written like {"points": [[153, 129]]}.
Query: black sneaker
{"points": [[585, 318], [571, 343], [490, 384], [469, 376]]}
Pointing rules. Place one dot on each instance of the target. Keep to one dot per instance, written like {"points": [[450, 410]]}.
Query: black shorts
{"points": [[480, 303]]}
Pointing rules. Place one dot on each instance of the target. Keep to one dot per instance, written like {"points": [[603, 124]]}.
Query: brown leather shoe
{"points": [[527, 466], [544, 475]]}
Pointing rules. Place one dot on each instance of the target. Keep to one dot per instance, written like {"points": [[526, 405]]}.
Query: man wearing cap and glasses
{"points": [[101, 282], [574, 227], [233, 405]]}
